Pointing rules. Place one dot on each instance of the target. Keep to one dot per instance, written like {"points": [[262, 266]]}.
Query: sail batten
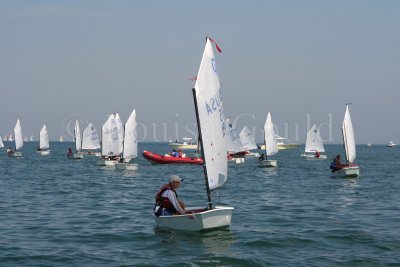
{"points": [[211, 119]]}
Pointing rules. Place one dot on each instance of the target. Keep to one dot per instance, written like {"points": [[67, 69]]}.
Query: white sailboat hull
{"points": [[352, 171], [312, 156], [126, 166], [76, 156], [16, 154], [252, 155], [217, 217], [107, 162], [44, 152], [236, 161], [268, 163]]}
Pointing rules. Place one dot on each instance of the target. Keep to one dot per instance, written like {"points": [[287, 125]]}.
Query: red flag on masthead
{"points": [[216, 45]]}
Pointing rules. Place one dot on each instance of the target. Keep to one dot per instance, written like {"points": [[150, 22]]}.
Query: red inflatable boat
{"points": [[156, 158]]}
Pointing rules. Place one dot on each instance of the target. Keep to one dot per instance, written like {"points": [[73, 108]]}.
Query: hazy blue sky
{"points": [[292, 58]]}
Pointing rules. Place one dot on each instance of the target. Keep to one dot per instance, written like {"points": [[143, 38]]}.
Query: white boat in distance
{"points": [[130, 149], [352, 170], [281, 144], [90, 140], [1, 143], [391, 144], [110, 148], [78, 142], [248, 141], [314, 145], [19, 142], [213, 147], [44, 146], [270, 144], [186, 144]]}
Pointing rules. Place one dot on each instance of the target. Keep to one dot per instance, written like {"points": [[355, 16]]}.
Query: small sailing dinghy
{"points": [[78, 143], [1, 143], [19, 141], [314, 145], [44, 146], [110, 142], [247, 138], [235, 149], [210, 123], [270, 145], [90, 140], [129, 144], [351, 170]]}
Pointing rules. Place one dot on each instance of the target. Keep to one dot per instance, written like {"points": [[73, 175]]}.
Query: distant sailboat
{"points": [[213, 145], [19, 142], [248, 142], [44, 146], [31, 139], [271, 148], [314, 145], [130, 144], [1, 143], [11, 138], [234, 146], [351, 170], [90, 139], [78, 143], [61, 138], [110, 142]]}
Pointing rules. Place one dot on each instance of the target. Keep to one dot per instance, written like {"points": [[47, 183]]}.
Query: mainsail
{"points": [[211, 119], [233, 142], [19, 141], [1, 143], [90, 139], [109, 137], [271, 147], [78, 137], [348, 137], [120, 128], [44, 138], [130, 139], [247, 138], [314, 141]]}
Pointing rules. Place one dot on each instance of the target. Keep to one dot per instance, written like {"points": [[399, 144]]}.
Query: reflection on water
{"points": [[217, 241]]}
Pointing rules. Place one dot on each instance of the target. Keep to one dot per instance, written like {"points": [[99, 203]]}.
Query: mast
{"points": [[202, 149]]}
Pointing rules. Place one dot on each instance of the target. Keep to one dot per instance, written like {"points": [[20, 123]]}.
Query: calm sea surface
{"points": [[60, 212]]}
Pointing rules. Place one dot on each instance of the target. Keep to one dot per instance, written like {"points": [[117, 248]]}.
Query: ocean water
{"points": [[60, 212]]}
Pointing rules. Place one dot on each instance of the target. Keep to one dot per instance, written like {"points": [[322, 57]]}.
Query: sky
{"points": [[300, 60]]}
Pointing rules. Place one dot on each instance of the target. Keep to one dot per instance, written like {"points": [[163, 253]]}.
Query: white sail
{"points": [[61, 138], [130, 138], [233, 142], [271, 147], [348, 137], [11, 138], [1, 143], [90, 139], [44, 138], [247, 138], [78, 137], [109, 137], [31, 139], [120, 127], [211, 119], [19, 141], [314, 141]]}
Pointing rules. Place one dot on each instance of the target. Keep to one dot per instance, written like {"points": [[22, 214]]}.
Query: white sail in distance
{"points": [[19, 141], [90, 139], [247, 138], [211, 119], [1, 143], [130, 137], [109, 137], [348, 137], [78, 137], [44, 138], [120, 127], [233, 142], [271, 147], [314, 141]]}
